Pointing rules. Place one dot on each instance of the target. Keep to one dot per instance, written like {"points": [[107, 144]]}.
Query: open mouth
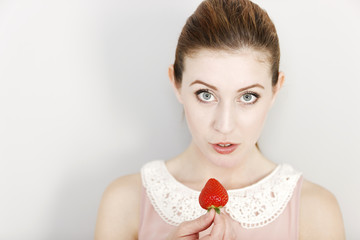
{"points": [[224, 145], [225, 148]]}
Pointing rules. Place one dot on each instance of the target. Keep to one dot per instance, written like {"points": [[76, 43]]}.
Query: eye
{"points": [[205, 96], [249, 98]]}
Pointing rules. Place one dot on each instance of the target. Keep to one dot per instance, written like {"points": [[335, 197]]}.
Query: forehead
{"points": [[245, 65]]}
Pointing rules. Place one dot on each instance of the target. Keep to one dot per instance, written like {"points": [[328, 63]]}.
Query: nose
{"points": [[225, 118]]}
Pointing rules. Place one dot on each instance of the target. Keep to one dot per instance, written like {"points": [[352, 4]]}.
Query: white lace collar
{"points": [[253, 206]]}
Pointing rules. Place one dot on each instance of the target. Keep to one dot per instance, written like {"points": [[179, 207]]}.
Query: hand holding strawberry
{"points": [[213, 195]]}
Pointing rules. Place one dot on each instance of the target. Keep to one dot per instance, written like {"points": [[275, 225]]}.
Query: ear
{"points": [[278, 86], [173, 83]]}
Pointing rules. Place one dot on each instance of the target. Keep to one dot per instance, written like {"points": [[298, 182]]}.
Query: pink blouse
{"points": [[269, 208]]}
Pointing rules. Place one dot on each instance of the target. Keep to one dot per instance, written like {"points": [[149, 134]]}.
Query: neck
{"points": [[193, 169]]}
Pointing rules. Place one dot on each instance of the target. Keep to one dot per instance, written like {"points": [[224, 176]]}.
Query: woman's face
{"points": [[226, 98]]}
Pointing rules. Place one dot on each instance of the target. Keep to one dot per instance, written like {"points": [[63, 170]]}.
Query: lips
{"points": [[225, 148]]}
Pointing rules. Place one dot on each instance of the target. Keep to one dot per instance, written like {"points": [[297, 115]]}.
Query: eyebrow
{"points": [[203, 83], [213, 87]]}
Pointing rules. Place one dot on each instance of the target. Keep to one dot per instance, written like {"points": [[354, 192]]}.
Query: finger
{"points": [[195, 226], [218, 229], [229, 227]]}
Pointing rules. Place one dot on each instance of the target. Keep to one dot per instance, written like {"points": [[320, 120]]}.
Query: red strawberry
{"points": [[213, 195]]}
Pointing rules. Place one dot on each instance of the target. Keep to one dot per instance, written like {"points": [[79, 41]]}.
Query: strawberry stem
{"points": [[217, 209]]}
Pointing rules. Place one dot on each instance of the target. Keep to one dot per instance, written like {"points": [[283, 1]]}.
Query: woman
{"points": [[226, 76]]}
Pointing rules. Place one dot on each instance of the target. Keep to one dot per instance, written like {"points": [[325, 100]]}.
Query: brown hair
{"points": [[228, 25]]}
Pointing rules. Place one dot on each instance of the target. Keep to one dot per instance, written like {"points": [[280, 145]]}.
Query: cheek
{"points": [[196, 118], [253, 124]]}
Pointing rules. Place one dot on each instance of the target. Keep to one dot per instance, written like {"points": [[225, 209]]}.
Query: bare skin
{"points": [[118, 216]]}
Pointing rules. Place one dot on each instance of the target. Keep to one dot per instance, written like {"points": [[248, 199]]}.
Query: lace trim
{"points": [[254, 206]]}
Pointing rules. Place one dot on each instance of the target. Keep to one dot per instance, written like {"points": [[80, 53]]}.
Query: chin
{"points": [[224, 161]]}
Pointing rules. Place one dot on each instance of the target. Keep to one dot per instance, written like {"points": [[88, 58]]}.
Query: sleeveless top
{"points": [[268, 209]]}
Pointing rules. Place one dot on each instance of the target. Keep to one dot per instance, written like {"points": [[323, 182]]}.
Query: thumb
{"points": [[197, 225]]}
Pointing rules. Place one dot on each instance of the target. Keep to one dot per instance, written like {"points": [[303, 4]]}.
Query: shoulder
{"points": [[320, 216], [119, 210]]}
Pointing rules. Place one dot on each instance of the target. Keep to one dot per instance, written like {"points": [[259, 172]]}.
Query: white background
{"points": [[84, 99]]}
